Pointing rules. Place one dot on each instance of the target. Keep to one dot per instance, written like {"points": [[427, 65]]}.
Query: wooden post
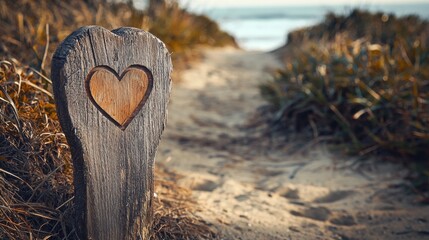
{"points": [[111, 91]]}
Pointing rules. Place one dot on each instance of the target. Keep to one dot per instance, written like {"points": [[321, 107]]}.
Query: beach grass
{"points": [[362, 81], [31, 30]]}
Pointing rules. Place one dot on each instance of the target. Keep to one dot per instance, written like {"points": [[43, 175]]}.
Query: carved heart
{"points": [[119, 98]]}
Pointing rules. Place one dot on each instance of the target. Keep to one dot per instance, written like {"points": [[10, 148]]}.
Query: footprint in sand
{"points": [[343, 219], [242, 197], [323, 214], [205, 185], [334, 196], [315, 213], [289, 193]]}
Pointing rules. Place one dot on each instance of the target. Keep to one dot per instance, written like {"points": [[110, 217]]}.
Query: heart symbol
{"points": [[119, 98]]}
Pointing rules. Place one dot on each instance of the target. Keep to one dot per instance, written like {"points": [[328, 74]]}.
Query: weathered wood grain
{"points": [[119, 98], [113, 162]]}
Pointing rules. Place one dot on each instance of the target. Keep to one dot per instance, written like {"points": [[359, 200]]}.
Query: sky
{"points": [[231, 3]]}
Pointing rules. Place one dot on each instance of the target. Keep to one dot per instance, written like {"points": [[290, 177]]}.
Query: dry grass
{"points": [[382, 28], [31, 30], [174, 211], [36, 173], [370, 96]]}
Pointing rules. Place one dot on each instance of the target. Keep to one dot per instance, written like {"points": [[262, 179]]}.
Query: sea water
{"points": [[266, 28]]}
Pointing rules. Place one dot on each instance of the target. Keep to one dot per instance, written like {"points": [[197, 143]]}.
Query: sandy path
{"points": [[249, 190]]}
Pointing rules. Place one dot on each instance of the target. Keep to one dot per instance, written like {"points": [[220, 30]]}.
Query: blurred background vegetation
{"points": [[362, 81], [31, 30]]}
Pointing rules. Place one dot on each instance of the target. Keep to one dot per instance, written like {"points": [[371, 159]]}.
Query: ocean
{"points": [[266, 28]]}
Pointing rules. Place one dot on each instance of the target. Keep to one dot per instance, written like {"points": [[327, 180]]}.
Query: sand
{"points": [[248, 186]]}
